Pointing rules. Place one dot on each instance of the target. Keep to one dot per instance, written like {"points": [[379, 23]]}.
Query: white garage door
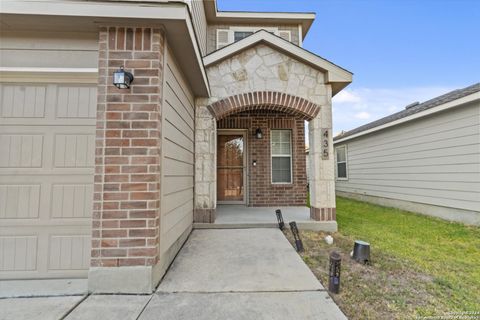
{"points": [[47, 142]]}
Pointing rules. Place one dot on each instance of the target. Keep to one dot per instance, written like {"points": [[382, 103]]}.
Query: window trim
{"points": [[281, 156], [337, 162]]}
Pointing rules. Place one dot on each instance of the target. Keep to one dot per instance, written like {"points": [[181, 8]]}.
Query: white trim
{"points": [[346, 163], [300, 38], [281, 156], [156, 11], [452, 104], [48, 75], [48, 70], [266, 15], [334, 73]]}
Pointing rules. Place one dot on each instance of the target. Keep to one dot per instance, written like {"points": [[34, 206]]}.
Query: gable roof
{"points": [[337, 76], [214, 16], [410, 111]]}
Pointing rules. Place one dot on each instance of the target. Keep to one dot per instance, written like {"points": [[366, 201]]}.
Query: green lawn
{"points": [[420, 265]]}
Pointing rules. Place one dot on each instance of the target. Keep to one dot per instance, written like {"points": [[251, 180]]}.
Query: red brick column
{"points": [[323, 214], [127, 164]]}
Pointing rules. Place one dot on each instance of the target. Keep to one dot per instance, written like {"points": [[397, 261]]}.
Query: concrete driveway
{"points": [[218, 274]]}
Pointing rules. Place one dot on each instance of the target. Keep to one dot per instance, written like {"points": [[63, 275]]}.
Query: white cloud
{"points": [[347, 97], [362, 115], [358, 106]]}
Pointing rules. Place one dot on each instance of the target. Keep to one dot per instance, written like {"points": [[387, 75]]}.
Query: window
{"points": [[239, 35], [281, 149], [236, 33], [341, 156]]}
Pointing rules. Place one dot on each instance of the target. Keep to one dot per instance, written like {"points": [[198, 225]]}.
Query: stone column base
{"points": [[323, 214], [204, 215]]}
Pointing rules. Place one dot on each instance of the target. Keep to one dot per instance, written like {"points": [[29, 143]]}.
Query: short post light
{"points": [[281, 224], [334, 272], [296, 236], [122, 79]]}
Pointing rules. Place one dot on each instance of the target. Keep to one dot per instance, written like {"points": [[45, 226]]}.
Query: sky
{"points": [[400, 51]]}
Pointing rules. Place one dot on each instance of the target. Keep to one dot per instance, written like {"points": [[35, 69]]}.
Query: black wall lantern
{"points": [[258, 133], [122, 79]]}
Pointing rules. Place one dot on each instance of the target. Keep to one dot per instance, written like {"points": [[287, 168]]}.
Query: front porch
{"points": [[250, 136], [240, 216]]}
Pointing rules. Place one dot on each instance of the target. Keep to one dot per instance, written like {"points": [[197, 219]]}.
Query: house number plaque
{"points": [[325, 144]]}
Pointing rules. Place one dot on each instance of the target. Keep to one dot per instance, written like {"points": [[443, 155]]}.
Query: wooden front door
{"points": [[231, 167]]}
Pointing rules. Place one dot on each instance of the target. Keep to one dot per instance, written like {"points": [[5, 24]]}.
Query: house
{"points": [[425, 158], [105, 182]]}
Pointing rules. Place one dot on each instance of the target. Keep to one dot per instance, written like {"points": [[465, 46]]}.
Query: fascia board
{"points": [[155, 11]]}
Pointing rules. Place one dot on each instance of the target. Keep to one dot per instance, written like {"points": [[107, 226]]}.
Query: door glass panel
{"points": [[230, 185], [230, 168]]}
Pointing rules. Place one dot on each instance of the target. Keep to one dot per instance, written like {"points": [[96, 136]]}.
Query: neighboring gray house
{"points": [[425, 158]]}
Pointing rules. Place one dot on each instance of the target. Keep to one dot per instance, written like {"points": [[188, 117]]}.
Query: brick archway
{"points": [[264, 100]]}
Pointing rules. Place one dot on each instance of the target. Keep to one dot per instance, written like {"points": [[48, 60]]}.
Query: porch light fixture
{"points": [[122, 79], [258, 133]]}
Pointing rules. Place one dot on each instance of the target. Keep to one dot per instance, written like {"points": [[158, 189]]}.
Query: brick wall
{"points": [[261, 191], [127, 165]]}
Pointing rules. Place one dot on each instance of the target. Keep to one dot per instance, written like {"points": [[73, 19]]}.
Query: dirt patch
{"points": [[386, 288]]}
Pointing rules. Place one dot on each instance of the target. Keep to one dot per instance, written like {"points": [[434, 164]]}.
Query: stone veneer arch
{"points": [[264, 100]]}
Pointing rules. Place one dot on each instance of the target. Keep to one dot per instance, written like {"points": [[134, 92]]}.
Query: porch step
{"points": [[327, 226], [255, 225]]}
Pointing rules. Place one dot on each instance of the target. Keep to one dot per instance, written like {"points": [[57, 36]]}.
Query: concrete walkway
{"points": [[240, 274], [218, 274]]}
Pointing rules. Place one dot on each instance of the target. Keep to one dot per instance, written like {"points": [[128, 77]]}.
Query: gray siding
{"points": [[200, 24], [178, 157], [212, 33], [434, 160], [49, 49]]}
